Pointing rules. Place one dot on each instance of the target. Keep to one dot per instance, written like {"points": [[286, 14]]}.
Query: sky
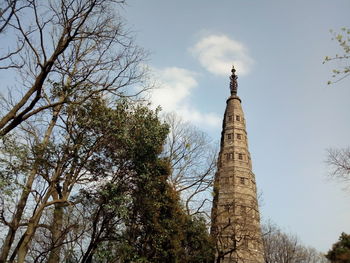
{"points": [[292, 116]]}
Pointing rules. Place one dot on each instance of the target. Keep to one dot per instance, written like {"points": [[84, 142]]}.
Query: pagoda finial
{"points": [[233, 82]]}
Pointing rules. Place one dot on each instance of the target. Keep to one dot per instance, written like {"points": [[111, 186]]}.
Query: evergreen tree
{"points": [[340, 252]]}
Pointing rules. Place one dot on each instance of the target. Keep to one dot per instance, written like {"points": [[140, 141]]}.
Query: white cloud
{"points": [[173, 95], [217, 54], [175, 86], [190, 114]]}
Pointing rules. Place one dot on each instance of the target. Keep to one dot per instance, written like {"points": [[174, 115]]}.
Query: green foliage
{"points": [[109, 164], [135, 215], [343, 39], [15, 160], [198, 245], [340, 252], [156, 218]]}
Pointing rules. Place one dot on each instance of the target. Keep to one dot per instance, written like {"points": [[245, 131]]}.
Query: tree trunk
{"points": [[57, 234], [31, 228], [87, 258], [16, 218]]}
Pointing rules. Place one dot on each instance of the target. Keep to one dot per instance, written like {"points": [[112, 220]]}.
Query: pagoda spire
{"points": [[233, 82], [235, 213]]}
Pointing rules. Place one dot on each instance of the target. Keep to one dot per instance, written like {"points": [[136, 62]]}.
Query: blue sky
{"points": [[292, 116]]}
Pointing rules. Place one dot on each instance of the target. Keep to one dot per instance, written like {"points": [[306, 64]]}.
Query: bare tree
{"points": [[7, 9], [314, 256], [338, 161], [193, 159], [286, 248], [68, 52]]}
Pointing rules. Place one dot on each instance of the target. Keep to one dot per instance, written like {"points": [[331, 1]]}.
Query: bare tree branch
{"points": [[64, 33], [338, 162], [193, 160]]}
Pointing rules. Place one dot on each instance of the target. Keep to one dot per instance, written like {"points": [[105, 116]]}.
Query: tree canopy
{"points": [[83, 175], [340, 252]]}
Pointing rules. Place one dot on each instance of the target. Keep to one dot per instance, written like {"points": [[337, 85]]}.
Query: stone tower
{"points": [[235, 214]]}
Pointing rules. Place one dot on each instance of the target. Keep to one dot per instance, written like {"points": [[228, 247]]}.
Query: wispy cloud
{"points": [[217, 54], [174, 95]]}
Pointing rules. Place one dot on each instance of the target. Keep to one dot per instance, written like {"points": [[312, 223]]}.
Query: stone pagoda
{"points": [[235, 213]]}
